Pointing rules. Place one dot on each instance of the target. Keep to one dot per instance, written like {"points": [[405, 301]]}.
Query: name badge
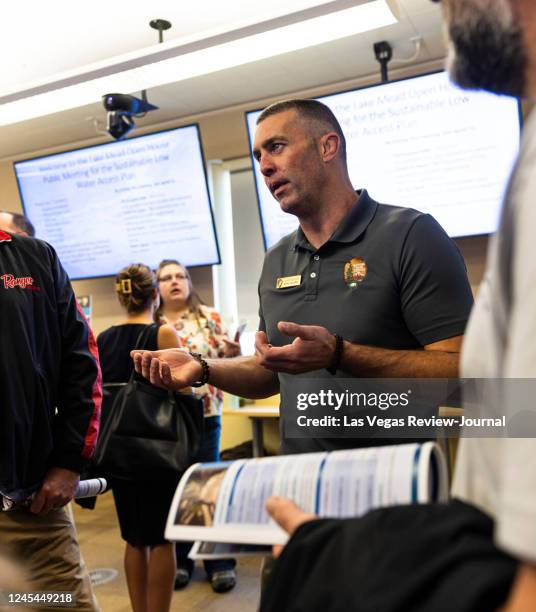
{"points": [[288, 281]]}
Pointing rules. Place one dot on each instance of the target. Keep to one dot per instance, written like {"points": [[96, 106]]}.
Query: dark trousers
{"points": [[208, 451]]}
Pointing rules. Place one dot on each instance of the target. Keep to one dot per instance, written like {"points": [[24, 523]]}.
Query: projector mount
{"points": [[383, 52], [123, 108], [161, 25]]}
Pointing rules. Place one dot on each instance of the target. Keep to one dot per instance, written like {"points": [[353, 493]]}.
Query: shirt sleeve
{"points": [[76, 424], [422, 555], [435, 294], [516, 515]]}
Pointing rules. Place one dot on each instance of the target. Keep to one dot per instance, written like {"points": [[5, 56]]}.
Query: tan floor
{"points": [[102, 547]]}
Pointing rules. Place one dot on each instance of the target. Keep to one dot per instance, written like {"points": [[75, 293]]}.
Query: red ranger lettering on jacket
{"points": [[10, 282]]}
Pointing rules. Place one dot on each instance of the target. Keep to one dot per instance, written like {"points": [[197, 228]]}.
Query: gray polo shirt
{"points": [[388, 277]]}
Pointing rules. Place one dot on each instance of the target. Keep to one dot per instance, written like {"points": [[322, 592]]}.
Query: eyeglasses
{"points": [[170, 277]]}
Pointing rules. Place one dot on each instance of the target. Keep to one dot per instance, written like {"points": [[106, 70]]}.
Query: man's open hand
{"points": [[171, 369]]}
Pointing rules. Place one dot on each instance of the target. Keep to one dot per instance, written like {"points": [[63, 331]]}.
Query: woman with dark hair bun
{"points": [[142, 506], [200, 331]]}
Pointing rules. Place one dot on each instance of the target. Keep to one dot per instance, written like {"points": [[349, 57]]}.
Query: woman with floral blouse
{"points": [[201, 331]]}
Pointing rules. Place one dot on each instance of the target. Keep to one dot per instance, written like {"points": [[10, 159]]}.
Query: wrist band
{"points": [[337, 355], [206, 370]]}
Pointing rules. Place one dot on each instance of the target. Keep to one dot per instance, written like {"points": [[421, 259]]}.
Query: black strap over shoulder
{"points": [[143, 337], [141, 344]]}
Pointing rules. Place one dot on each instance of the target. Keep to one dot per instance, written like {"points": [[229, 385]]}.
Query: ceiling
{"points": [[105, 29]]}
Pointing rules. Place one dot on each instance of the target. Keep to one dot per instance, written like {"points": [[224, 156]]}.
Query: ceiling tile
{"points": [[416, 7]]}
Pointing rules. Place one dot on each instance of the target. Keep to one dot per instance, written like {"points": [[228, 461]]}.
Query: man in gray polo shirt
{"points": [[479, 555], [361, 289]]}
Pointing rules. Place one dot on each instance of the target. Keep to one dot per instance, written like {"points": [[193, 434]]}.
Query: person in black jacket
{"points": [[49, 415]]}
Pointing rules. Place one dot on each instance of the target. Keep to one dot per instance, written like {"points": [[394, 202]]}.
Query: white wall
{"points": [[248, 244], [224, 137]]}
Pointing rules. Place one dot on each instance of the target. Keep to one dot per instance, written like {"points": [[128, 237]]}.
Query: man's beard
{"points": [[487, 50]]}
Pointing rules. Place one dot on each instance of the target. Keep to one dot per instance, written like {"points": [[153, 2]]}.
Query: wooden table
{"points": [[256, 414]]}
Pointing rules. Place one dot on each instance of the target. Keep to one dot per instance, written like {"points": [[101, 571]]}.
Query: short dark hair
{"points": [[21, 222], [309, 109]]}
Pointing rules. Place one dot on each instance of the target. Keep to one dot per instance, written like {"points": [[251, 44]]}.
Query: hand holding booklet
{"points": [[225, 502]]}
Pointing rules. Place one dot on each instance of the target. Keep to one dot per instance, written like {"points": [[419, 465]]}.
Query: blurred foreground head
{"points": [[16, 224], [491, 44]]}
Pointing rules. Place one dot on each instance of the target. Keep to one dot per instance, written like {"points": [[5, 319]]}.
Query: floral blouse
{"points": [[205, 336]]}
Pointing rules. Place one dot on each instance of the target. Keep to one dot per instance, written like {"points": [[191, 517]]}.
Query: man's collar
{"points": [[5, 237], [357, 220], [350, 228]]}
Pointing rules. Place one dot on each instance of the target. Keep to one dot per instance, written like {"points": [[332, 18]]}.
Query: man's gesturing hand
{"points": [[313, 348], [57, 489], [171, 369]]}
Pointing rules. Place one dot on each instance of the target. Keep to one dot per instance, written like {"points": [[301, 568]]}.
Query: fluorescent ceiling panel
{"points": [[194, 57]]}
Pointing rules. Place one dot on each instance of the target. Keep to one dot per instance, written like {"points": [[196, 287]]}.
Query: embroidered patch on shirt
{"points": [[354, 272]]}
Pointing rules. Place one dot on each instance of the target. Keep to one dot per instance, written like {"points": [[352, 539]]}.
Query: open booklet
{"points": [[225, 502]]}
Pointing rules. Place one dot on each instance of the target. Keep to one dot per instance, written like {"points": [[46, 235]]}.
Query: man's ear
{"points": [[330, 146]]}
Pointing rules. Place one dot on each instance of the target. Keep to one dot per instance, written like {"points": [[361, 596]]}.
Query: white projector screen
{"points": [[138, 200], [423, 143]]}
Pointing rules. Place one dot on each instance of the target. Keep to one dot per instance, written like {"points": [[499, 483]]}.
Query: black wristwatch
{"points": [[337, 355]]}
